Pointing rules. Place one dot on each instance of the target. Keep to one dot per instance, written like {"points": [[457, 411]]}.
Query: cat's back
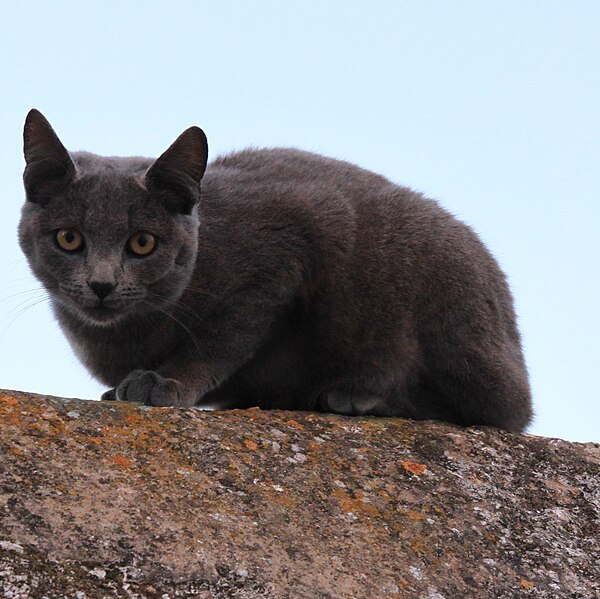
{"points": [[322, 181], [392, 241], [365, 204], [354, 208], [276, 166]]}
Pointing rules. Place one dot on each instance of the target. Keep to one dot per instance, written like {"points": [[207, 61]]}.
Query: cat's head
{"points": [[110, 237]]}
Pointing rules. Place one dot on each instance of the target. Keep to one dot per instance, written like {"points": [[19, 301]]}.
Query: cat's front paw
{"points": [[152, 389]]}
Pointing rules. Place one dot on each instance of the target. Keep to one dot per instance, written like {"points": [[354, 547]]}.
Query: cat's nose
{"points": [[101, 289]]}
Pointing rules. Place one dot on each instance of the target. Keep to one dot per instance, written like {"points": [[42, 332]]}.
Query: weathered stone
{"points": [[103, 499]]}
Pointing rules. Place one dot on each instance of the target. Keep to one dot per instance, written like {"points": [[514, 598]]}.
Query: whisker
{"points": [[200, 291], [43, 297], [19, 293], [23, 302], [21, 312], [156, 306], [187, 310], [190, 312], [12, 263], [20, 281]]}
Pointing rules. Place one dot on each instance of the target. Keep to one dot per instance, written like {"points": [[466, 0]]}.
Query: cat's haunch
{"points": [[274, 278]]}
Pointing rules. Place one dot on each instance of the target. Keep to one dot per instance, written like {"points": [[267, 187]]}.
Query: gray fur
{"points": [[281, 279]]}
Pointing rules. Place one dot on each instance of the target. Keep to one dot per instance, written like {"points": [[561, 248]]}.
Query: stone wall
{"points": [[102, 499]]}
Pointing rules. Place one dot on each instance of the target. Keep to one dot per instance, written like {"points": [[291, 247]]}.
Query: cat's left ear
{"points": [[49, 166], [180, 169]]}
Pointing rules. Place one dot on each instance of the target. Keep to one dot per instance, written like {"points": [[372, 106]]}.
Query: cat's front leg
{"points": [[110, 395], [218, 349], [150, 388]]}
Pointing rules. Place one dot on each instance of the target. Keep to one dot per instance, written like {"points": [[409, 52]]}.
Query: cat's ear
{"points": [[49, 165], [180, 169]]}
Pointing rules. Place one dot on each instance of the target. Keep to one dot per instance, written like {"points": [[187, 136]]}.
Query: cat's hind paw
{"points": [[353, 403]]}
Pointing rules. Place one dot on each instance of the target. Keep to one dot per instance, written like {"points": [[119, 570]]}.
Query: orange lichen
{"points": [[92, 440], [119, 431], [56, 427], [283, 499], [398, 527], [295, 424], [314, 446], [385, 495], [133, 419], [9, 400], [354, 504], [11, 416], [121, 461], [250, 444], [419, 545], [526, 584], [413, 468], [415, 516]]}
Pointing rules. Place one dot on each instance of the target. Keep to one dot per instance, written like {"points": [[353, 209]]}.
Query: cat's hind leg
{"points": [[415, 403], [485, 390], [374, 393]]}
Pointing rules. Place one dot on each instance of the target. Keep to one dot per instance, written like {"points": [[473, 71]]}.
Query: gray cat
{"points": [[273, 278]]}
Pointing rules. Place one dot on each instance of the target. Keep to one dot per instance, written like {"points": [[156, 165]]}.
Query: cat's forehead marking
{"points": [[109, 188], [135, 166]]}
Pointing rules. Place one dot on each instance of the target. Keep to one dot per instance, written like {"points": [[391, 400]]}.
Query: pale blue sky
{"points": [[493, 108]]}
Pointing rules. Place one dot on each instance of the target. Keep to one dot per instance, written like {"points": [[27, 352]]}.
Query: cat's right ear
{"points": [[49, 165], [179, 170]]}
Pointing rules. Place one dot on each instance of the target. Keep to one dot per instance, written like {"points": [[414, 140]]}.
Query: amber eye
{"points": [[69, 240], [141, 243]]}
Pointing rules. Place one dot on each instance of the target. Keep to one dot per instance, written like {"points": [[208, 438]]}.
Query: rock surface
{"points": [[103, 499]]}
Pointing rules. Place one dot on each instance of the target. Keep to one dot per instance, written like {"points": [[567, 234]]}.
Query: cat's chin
{"points": [[100, 316]]}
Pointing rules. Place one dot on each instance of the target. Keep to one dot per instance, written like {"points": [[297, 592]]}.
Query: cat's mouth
{"points": [[96, 311], [98, 315]]}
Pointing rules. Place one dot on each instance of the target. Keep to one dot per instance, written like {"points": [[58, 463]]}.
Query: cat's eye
{"points": [[141, 243], [69, 240]]}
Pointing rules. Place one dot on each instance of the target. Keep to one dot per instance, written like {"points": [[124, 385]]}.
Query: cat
{"points": [[275, 278]]}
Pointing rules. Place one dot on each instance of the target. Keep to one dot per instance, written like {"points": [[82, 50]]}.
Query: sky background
{"points": [[492, 108]]}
